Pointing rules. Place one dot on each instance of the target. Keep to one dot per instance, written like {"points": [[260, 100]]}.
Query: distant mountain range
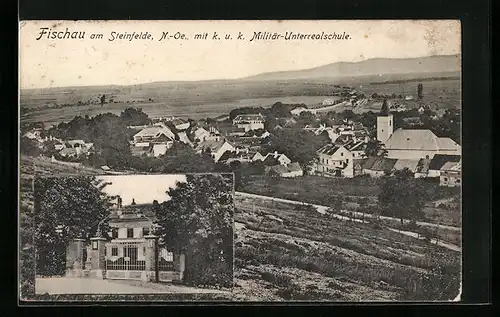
{"points": [[376, 66]]}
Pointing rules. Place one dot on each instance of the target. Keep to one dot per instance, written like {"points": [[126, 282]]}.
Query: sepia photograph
{"points": [[134, 234], [342, 140]]}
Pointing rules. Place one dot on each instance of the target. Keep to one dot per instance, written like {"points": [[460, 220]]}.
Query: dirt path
{"points": [[65, 285], [323, 210]]}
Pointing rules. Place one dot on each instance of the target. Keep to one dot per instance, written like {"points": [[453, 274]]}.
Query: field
{"points": [[283, 253], [213, 98]]}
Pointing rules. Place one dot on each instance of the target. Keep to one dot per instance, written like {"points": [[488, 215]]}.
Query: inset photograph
{"points": [[134, 234]]}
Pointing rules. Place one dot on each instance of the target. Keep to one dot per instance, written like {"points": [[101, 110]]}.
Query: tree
{"points": [[298, 145], [198, 221], [29, 147], [183, 159], [384, 111], [134, 116], [66, 208], [375, 148], [102, 100], [402, 196]]}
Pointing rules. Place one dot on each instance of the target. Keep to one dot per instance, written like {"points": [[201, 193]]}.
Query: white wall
{"points": [[385, 127], [410, 154]]}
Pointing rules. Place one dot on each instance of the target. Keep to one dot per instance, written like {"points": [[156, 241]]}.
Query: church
{"points": [[412, 144]]}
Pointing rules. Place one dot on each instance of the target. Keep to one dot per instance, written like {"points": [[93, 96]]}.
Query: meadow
{"points": [[213, 98]]}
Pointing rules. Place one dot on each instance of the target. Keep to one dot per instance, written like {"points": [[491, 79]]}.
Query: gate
{"points": [[125, 260], [166, 268]]}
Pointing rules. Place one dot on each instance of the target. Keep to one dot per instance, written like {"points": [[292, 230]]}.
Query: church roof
{"points": [[424, 140]]}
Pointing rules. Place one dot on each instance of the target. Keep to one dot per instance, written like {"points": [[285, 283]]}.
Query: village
{"points": [[349, 149]]}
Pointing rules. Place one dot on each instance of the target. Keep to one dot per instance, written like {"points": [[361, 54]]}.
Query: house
{"points": [[287, 171], [378, 166], [357, 148], [249, 121], [200, 134], [262, 134], [438, 161], [334, 160], [328, 102], [451, 174], [180, 124], [281, 158], [216, 147], [35, 133], [229, 131], [298, 111], [160, 149], [142, 148], [154, 134], [258, 157], [69, 152]]}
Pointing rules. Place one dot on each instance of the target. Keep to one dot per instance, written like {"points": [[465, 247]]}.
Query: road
{"points": [[66, 285], [323, 210]]}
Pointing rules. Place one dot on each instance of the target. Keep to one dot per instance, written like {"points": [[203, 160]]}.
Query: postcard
{"points": [[240, 161]]}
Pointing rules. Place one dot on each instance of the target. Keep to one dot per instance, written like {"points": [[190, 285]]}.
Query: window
{"points": [[347, 161], [130, 233], [341, 154], [114, 233], [114, 251], [145, 231], [446, 179], [458, 181]]}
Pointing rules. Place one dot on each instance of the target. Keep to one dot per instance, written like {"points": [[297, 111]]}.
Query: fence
{"points": [[125, 260]]}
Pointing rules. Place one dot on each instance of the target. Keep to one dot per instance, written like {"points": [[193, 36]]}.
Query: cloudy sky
{"points": [[66, 62], [143, 188]]}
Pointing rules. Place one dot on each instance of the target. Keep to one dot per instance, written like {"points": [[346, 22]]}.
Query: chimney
{"points": [[133, 201]]}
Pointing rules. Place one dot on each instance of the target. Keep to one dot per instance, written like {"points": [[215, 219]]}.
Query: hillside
{"points": [[285, 253], [422, 65]]}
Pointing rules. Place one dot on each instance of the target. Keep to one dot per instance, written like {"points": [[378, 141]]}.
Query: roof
{"points": [[356, 146], [280, 169], [200, 131], [368, 162], [382, 164], [178, 121], [329, 149], [213, 145], [67, 151], [447, 144], [72, 142], [405, 163], [249, 117], [439, 160], [451, 166], [153, 132], [413, 140], [294, 167]]}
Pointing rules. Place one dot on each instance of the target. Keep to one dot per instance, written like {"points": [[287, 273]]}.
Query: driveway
{"points": [[66, 285]]}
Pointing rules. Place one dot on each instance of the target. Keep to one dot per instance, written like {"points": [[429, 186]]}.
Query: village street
{"points": [[65, 285]]}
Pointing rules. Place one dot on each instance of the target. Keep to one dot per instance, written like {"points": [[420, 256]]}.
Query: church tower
{"points": [[385, 123]]}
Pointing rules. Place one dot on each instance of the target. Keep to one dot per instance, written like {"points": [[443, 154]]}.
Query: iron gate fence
{"points": [[126, 256]]}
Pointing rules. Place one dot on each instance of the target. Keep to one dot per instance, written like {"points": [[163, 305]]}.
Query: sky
{"points": [[73, 62], [142, 188]]}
